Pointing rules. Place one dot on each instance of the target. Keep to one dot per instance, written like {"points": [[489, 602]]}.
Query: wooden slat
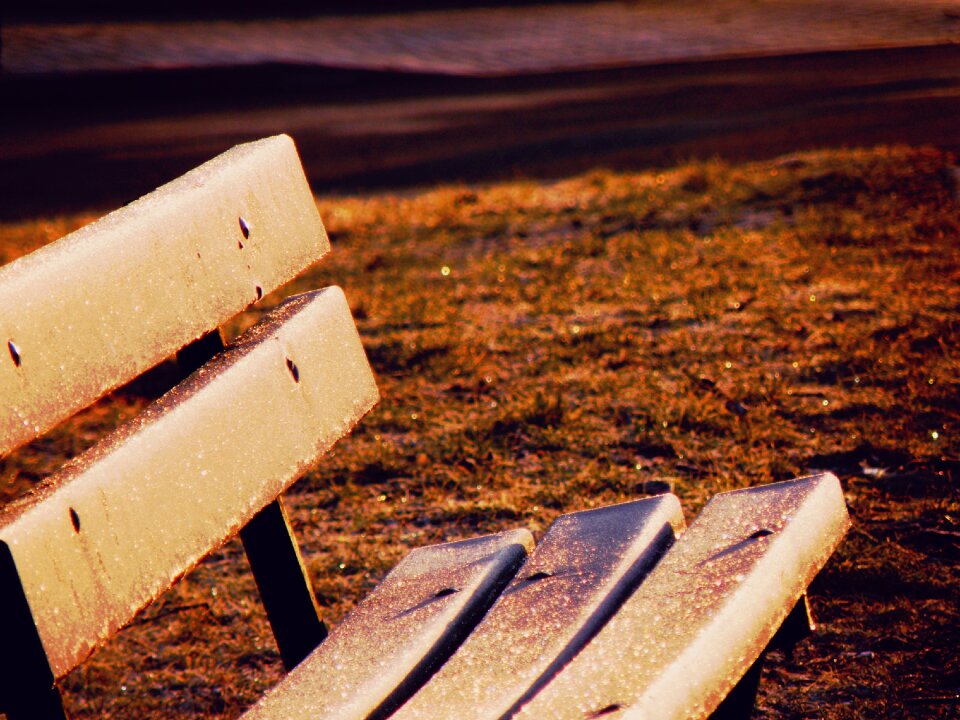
{"points": [[740, 702], [581, 571], [708, 609], [114, 528], [388, 645], [102, 305]]}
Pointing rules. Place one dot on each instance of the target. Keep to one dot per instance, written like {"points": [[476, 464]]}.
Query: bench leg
{"points": [[161, 378], [193, 356], [27, 690], [739, 702], [283, 583], [738, 705], [45, 705]]}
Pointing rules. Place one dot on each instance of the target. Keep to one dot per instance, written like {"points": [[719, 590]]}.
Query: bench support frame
{"points": [[284, 585], [29, 692]]}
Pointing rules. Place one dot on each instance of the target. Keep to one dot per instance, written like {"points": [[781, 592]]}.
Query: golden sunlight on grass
{"points": [[543, 348]]}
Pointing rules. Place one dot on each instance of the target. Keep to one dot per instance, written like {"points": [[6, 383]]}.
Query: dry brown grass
{"points": [[544, 348]]}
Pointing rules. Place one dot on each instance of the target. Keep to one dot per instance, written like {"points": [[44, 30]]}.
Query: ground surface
{"points": [[544, 348]]}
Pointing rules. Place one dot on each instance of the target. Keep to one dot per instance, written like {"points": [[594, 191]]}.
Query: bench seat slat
{"points": [[387, 646], [201, 462], [102, 305], [707, 611], [579, 573]]}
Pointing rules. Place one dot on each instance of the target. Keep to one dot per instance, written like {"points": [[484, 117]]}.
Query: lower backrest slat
{"points": [[114, 528], [707, 611]]}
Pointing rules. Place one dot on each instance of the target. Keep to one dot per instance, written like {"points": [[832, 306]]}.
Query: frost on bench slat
{"points": [[111, 530], [708, 609], [97, 308], [580, 572], [388, 645]]}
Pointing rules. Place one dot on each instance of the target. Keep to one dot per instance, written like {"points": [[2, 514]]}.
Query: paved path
{"points": [[495, 41], [472, 94]]}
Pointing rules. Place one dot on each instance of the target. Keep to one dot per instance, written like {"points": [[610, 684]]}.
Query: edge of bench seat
{"points": [[707, 611], [580, 572], [110, 531], [391, 642], [95, 309]]}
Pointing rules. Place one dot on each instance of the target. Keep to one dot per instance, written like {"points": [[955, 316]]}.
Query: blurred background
{"points": [[103, 101]]}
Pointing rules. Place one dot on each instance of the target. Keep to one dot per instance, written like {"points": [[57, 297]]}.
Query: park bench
{"points": [[617, 612]]}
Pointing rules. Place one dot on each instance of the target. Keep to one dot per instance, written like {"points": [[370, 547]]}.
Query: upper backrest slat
{"points": [[115, 527], [97, 308]]}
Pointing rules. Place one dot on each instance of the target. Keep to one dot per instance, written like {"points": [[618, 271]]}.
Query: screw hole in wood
{"points": [[14, 352], [294, 370], [540, 575], [75, 520], [608, 710]]}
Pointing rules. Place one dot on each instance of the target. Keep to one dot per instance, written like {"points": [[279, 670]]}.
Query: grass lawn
{"points": [[549, 347]]}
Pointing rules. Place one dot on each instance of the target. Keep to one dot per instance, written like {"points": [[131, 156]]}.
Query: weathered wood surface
{"points": [[609, 617], [97, 308], [392, 641], [708, 609], [112, 529], [578, 575]]}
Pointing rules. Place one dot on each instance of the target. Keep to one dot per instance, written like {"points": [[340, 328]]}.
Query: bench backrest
{"points": [[97, 308], [116, 526]]}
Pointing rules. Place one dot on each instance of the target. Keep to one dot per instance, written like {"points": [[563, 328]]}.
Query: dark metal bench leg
{"points": [[194, 355], [161, 378], [283, 583], [739, 703], [27, 691], [45, 705]]}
